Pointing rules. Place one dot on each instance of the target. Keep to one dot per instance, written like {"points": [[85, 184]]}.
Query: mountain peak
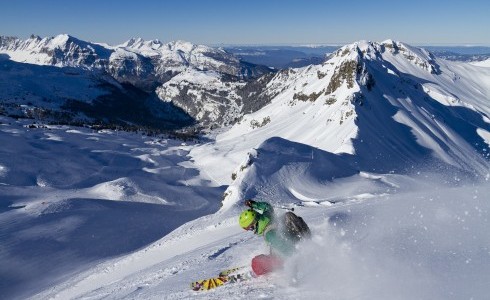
{"points": [[34, 37], [142, 45], [132, 42], [62, 39], [359, 50], [389, 49], [156, 42], [181, 45]]}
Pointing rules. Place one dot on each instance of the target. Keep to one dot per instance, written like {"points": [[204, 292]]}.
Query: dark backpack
{"points": [[295, 227]]}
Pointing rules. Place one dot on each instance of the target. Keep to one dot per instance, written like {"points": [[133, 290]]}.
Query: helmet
{"points": [[247, 218]]}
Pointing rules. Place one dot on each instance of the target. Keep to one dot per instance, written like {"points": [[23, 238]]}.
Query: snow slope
{"points": [[385, 236]]}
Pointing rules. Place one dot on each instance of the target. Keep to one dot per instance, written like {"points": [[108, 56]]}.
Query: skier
{"points": [[281, 234]]}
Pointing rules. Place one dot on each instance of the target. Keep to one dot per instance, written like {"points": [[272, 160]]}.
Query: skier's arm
{"points": [[261, 207]]}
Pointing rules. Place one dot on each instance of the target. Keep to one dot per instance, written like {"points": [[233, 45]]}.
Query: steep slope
{"points": [[212, 101], [388, 105]]}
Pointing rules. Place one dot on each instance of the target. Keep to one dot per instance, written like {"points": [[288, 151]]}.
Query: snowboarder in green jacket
{"points": [[281, 234]]}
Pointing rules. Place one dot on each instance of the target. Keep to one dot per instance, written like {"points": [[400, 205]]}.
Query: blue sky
{"points": [[252, 21]]}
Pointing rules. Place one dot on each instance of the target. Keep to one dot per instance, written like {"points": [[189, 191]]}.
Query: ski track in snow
{"points": [[149, 257]]}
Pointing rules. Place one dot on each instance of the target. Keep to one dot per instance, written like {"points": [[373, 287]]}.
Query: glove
{"points": [[249, 202]]}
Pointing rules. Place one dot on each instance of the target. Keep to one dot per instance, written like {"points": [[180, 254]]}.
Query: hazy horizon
{"points": [[292, 45], [253, 22]]}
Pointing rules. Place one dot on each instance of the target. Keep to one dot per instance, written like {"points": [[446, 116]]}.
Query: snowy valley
{"points": [[383, 149]]}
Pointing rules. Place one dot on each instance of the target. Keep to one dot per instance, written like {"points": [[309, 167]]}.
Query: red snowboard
{"points": [[263, 264]]}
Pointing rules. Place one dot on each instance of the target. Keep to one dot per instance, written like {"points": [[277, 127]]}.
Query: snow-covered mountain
{"points": [[217, 89], [366, 98], [148, 65], [62, 51], [388, 105], [161, 59]]}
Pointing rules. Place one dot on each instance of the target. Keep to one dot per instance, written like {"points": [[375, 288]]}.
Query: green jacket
{"points": [[267, 227]]}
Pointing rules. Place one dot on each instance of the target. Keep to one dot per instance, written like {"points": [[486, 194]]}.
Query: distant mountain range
{"points": [[90, 79], [134, 61]]}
